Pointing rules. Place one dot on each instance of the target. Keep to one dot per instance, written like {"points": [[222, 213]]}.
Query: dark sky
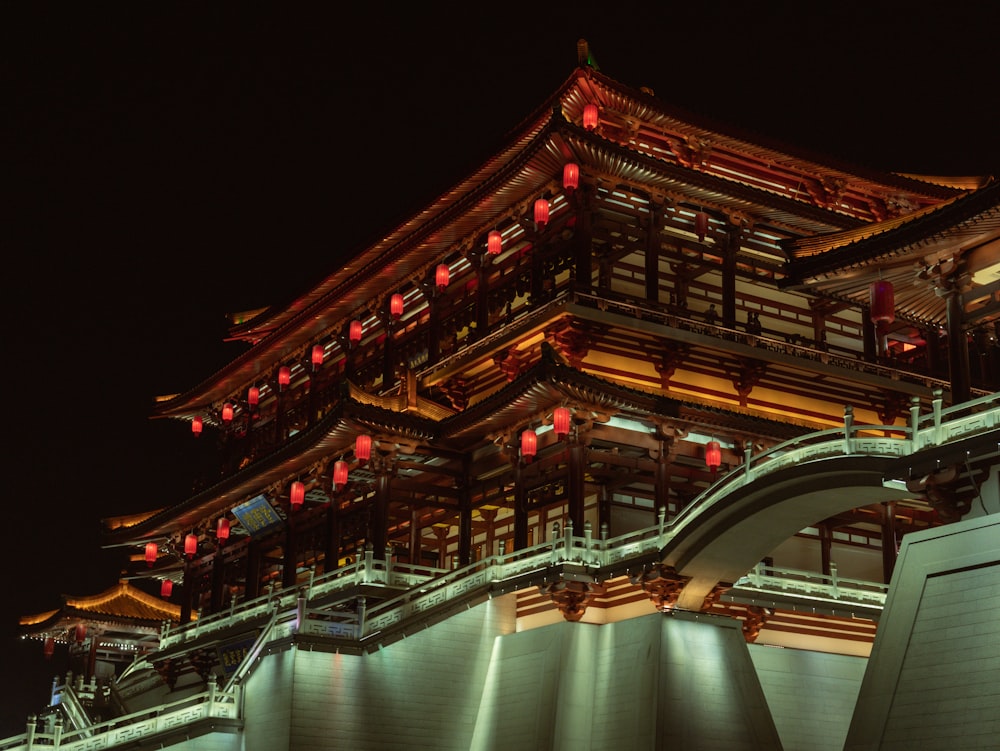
{"points": [[164, 169]]}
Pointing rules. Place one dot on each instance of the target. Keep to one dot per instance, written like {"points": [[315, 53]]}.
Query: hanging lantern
{"points": [[49, 647], [151, 553], [227, 412], [317, 355], [701, 225], [560, 421], [354, 332], [494, 243], [166, 589], [590, 116], [442, 275], [713, 455], [529, 444], [340, 470], [571, 176], [297, 494], [191, 545], [222, 529], [81, 633], [883, 304], [196, 426], [253, 396], [363, 447], [541, 212], [396, 306], [284, 376]]}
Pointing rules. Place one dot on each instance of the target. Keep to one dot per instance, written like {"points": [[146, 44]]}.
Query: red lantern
{"points": [[590, 116], [354, 332], [529, 444], [284, 376], [541, 212], [191, 545], [494, 243], [297, 494], [363, 447], [317, 355], [701, 225], [713, 455], [81, 633], [151, 553], [560, 421], [222, 529], [49, 647], [340, 469], [253, 396], [883, 304], [396, 306], [196, 426], [442, 276], [571, 176], [166, 589], [227, 412]]}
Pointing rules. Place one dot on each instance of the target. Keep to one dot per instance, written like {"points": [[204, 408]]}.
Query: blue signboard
{"points": [[257, 516], [233, 652]]}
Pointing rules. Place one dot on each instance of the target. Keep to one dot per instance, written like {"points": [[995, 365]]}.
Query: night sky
{"points": [[163, 170]]}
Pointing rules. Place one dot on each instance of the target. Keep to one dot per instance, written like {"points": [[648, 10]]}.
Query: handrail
{"points": [[967, 419], [131, 728]]}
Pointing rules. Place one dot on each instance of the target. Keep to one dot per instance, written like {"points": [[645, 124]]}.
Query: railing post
{"points": [[661, 518], [57, 733], [833, 581], [361, 617], [300, 613], [29, 730], [937, 416], [212, 688], [755, 574], [369, 560], [555, 538], [747, 454], [568, 540], [388, 564], [914, 422], [588, 533], [848, 427]]}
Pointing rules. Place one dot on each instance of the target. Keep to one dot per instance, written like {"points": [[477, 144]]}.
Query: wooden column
{"points": [[604, 509], [380, 512], [289, 573], [888, 540], [218, 580], [187, 593], [575, 485], [652, 271], [331, 555], [825, 543], [520, 511], [958, 350], [415, 537], [581, 241], [729, 278], [252, 588], [868, 334], [465, 518]]}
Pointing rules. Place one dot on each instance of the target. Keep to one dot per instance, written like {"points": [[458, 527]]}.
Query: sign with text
{"points": [[257, 516], [233, 652]]}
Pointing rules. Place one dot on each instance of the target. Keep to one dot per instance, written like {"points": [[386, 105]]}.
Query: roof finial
{"points": [[583, 55]]}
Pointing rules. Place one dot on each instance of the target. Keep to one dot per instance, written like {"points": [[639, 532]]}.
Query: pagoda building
{"points": [[507, 415]]}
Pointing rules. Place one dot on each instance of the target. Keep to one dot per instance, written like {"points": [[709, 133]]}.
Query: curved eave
{"points": [[546, 384], [968, 225], [767, 150], [333, 434], [964, 222]]}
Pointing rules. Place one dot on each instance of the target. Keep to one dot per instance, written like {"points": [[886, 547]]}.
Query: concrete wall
{"points": [[653, 682], [811, 695], [422, 692], [933, 679]]}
